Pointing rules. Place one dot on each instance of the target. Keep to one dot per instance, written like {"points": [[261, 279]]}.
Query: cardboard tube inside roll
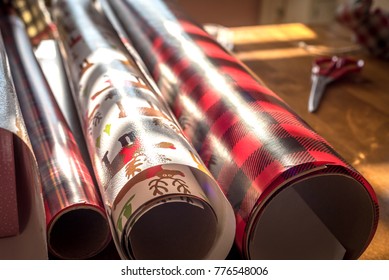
{"points": [[166, 215], [313, 218], [173, 229], [78, 232]]}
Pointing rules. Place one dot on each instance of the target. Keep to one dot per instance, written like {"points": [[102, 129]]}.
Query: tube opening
{"points": [[79, 234], [174, 230], [329, 216]]}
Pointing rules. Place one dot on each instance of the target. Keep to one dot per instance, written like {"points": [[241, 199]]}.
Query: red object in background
{"points": [[77, 226], [252, 142], [325, 70], [370, 26]]}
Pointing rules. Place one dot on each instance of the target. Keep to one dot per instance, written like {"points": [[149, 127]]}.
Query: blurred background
{"points": [[252, 12]]}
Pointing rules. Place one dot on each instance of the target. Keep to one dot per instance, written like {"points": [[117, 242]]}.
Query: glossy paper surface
{"points": [[158, 192], [21, 203], [72, 203], [251, 141]]}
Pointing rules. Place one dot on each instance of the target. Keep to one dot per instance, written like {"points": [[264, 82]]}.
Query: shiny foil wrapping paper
{"points": [[52, 64], [294, 197], [162, 201], [22, 223], [77, 226]]}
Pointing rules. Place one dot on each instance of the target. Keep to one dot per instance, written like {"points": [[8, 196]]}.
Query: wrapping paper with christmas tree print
{"points": [[77, 226], [162, 200], [293, 195], [22, 220]]}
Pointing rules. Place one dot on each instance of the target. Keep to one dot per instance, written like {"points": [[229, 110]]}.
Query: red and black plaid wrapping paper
{"points": [[74, 212], [250, 140], [370, 25]]}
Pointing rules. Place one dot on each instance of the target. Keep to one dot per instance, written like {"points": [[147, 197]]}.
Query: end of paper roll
{"points": [[327, 216], [79, 233], [173, 229], [172, 218]]}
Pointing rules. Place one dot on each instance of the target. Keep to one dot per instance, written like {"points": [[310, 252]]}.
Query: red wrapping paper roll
{"points": [[294, 197], [77, 226]]}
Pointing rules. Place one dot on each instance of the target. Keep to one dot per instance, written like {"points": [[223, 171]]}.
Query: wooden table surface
{"points": [[354, 112]]}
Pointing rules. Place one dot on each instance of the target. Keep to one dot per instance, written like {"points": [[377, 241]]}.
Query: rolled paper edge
{"points": [[325, 169], [90, 224], [219, 204]]}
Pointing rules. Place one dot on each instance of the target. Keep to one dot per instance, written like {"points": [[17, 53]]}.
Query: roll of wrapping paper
{"points": [[163, 202], [77, 226], [22, 222], [50, 60], [294, 197]]}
